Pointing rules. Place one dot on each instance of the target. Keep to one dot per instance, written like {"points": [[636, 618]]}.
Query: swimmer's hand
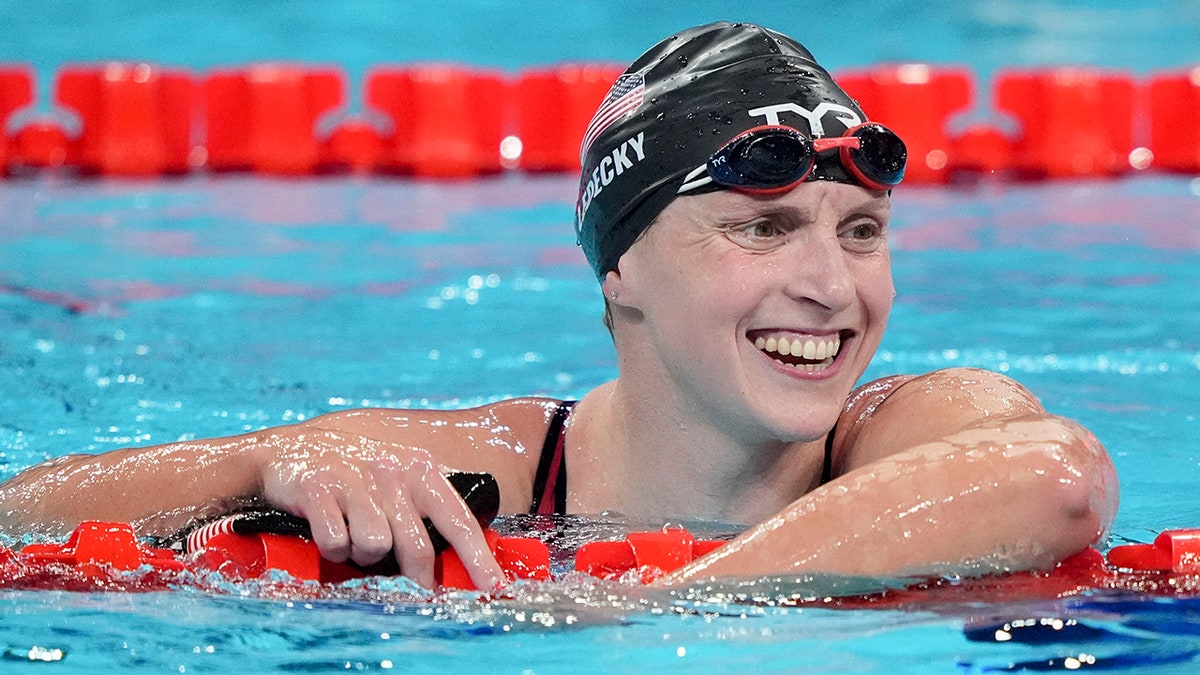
{"points": [[365, 499]]}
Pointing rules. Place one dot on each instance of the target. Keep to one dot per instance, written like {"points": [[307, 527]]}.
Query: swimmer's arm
{"points": [[359, 477], [363, 498], [159, 489], [956, 471]]}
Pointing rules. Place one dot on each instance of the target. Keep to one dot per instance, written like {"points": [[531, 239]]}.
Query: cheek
{"points": [[726, 285], [877, 289]]}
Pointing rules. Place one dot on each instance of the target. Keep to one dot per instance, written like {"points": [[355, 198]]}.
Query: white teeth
{"points": [[784, 347], [822, 350]]}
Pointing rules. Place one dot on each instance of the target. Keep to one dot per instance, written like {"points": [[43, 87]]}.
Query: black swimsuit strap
{"points": [[551, 476], [827, 467]]}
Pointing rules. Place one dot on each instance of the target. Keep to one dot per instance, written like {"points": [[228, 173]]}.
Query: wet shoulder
{"points": [[897, 412]]}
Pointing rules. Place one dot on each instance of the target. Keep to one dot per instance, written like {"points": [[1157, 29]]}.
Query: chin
{"points": [[807, 423]]}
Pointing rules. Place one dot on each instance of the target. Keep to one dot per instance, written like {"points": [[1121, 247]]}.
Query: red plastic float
{"points": [[1176, 551], [1074, 121], [94, 546], [41, 145], [519, 557], [1174, 102], [650, 554], [264, 118], [238, 556], [980, 150], [136, 119], [16, 92], [448, 121], [916, 101], [87, 560], [353, 146], [554, 107]]}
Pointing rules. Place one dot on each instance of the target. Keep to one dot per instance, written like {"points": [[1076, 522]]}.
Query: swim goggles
{"points": [[773, 158]]}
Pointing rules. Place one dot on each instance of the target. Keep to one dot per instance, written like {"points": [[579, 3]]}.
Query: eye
{"points": [[863, 235], [758, 235]]}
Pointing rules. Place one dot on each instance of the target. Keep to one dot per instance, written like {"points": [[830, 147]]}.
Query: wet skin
{"points": [[720, 271]]}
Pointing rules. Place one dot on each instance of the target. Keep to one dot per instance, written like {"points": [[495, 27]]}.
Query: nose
{"points": [[818, 270]]}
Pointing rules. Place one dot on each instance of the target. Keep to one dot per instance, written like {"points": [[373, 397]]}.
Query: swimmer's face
{"points": [[722, 281]]}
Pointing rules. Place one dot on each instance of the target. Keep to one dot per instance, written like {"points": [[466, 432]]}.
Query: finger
{"points": [[413, 550], [446, 510], [370, 532], [328, 525]]}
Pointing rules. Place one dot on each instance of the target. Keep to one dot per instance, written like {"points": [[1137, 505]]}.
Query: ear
{"points": [[611, 286], [621, 285]]}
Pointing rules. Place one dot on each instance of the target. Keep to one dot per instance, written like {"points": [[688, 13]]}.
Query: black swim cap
{"points": [[679, 103]]}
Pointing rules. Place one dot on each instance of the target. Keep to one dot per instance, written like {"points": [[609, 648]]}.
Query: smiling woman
{"points": [[808, 265], [744, 308]]}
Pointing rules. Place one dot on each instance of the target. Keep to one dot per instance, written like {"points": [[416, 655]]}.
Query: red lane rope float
{"points": [[450, 120], [1175, 120], [554, 107], [16, 92], [95, 550], [1075, 121], [136, 120], [263, 118], [92, 558], [447, 121], [40, 145], [354, 146]]}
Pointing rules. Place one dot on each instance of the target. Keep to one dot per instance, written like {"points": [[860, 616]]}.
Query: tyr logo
{"points": [[845, 115]]}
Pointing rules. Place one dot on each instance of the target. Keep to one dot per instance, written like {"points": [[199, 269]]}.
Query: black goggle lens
{"points": [[773, 158], [880, 156], [768, 158]]}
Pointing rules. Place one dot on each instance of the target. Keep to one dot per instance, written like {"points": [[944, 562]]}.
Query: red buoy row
{"points": [[1044, 123], [98, 554], [456, 121]]}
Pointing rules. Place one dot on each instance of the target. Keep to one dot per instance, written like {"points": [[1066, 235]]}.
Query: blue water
{"points": [[143, 312], [138, 312]]}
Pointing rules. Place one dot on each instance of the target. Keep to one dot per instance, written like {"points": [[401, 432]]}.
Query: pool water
{"points": [[138, 312], [144, 312]]}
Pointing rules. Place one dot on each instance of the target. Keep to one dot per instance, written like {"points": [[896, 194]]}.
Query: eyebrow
{"points": [[748, 209]]}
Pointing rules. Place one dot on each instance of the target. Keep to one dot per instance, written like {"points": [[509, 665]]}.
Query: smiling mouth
{"points": [[802, 353]]}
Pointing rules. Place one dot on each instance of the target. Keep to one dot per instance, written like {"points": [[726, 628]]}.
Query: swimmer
{"points": [[734, 206]]}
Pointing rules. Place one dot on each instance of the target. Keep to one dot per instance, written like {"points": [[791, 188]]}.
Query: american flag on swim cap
{"points": [[624, 97]]}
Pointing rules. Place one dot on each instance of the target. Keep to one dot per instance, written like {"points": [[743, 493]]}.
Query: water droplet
{"points": [[718, 117]]}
